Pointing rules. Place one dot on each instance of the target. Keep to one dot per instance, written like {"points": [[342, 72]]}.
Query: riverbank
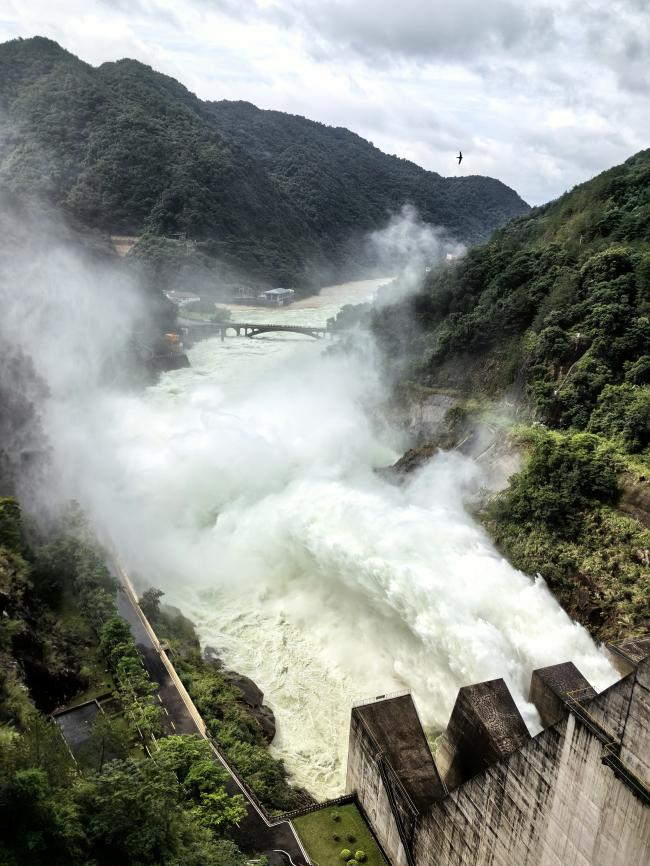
{"points": [[592, 547], [231, 705]]}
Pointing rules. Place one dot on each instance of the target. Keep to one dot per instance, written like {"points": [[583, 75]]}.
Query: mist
{"points": [[245, 488], [409, 248]]}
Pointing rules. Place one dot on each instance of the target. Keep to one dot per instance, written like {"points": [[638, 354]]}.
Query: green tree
{"points": [[563, 476], [108, 739], [38, 825], [219, 811], [131, 811], [10, 524], [150, 603], [623, 411]]}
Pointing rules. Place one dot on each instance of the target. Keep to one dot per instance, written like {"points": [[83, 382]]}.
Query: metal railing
{"points": [[572, 700], [623, 772], [395, 810], [343, 800], [387, 697], [611, 747]]}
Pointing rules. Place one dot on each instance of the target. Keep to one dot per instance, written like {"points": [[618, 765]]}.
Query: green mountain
{"points": [[555, 312], [126, 150], [557, 302], [343, 184]]}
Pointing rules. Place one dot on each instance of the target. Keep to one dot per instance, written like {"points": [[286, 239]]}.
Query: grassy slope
{"points": [[317, 829]]}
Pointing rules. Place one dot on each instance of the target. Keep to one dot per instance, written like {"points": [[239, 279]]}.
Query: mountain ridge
{"points": [[128, 150], [549, 322]]}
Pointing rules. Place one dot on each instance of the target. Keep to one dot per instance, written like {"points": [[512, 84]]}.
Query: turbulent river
{"points": [[244, 488]]}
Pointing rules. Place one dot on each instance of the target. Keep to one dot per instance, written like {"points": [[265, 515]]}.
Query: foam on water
{"points": [[245, 489]]}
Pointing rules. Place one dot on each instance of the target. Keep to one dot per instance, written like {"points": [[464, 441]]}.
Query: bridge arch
{"points": [[250, 329]]}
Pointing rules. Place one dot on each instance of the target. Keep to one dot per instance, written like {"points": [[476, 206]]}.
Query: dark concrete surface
{"points": [[76, 725], [395, 726], [550, 686], [253, 836], [632, 650], [485, 726]]}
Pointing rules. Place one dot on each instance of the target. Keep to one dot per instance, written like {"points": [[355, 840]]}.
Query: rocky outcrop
{"points": [[251, 695]]}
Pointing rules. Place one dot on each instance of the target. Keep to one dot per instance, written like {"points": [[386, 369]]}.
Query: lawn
{"points": [[318, 829]]}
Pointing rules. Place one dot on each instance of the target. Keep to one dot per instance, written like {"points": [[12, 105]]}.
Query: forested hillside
{"points": [[343, 183], [560, 298], [61, 639], [555, 312], [126, 150]]}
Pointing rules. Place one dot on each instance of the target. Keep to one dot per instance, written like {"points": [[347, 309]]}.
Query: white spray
{"points": [[245, 489]]}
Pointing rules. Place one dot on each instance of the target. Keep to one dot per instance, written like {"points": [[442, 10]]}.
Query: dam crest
{"points": [[576, 793]]}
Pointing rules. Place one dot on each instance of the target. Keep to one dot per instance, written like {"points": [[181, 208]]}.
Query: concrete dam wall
{"points": [[576, 793]]}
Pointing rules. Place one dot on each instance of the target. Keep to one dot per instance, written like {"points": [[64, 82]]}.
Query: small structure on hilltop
{"points": [[577, 792], [278, 297]]}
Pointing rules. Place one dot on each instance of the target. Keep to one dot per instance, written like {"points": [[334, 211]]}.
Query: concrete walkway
{"points": [[255, 835]]}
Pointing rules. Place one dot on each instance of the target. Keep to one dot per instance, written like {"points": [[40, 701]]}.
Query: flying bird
{"points": [[460, 157]]}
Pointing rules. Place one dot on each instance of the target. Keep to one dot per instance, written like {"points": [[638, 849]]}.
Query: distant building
{"points": [[181, 299], [280, 297]]}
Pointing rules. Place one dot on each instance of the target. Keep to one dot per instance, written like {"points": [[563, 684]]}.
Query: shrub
{"points": [[360, 856], [336, 837], [564, 476], [351, 838], [336, 816], [638, 373], [624, 411], [346, 854]]}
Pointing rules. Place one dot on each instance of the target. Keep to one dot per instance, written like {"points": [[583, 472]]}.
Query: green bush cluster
{"points": [[164, 811], [564, 476], [227, 717], [557, 518]]}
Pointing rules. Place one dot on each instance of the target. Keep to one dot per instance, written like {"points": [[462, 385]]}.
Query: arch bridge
{"points": [[250, 329]]}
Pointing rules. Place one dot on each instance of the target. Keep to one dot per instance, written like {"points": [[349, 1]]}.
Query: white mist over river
{"points": [[244, 488]]}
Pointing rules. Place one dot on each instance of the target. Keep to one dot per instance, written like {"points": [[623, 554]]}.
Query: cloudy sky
{"points": [[540, 94]]}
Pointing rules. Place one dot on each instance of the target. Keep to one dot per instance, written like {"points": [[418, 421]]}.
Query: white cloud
{"points": [[541, 95]]}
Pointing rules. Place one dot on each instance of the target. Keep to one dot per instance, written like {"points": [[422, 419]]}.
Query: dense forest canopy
{"points": [[61, 640], [127, 150], [559, 301], [555, 312]]}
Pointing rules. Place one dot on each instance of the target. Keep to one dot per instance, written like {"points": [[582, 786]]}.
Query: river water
{"points": [[245, 488]]}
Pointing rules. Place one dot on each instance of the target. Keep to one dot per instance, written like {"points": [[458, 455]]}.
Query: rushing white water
{"points": [[244, 488]]}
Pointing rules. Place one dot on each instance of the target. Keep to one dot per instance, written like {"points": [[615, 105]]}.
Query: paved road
{"points": [[254, 836]]}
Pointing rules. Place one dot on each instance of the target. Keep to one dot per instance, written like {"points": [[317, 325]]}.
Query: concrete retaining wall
{"points": [[551, 802]]}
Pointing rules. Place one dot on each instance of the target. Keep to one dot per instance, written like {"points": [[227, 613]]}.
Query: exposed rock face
{"points": [[429, 417], [251, 695]]}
